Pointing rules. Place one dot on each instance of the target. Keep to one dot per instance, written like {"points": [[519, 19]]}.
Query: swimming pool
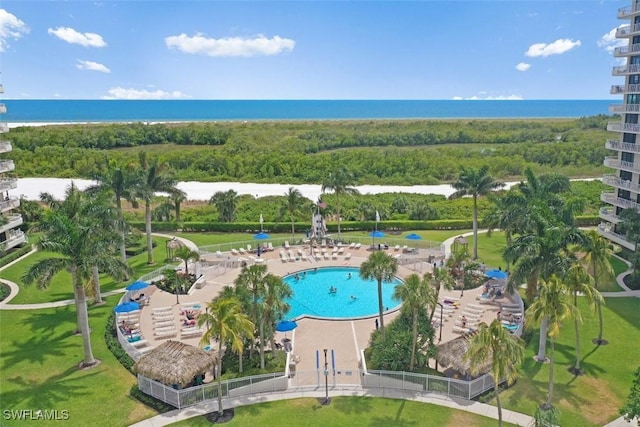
{"points": [[312, 294]]}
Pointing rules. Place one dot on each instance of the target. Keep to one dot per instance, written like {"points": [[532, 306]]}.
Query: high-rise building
{"points": [[10, 235], [625, 179]]}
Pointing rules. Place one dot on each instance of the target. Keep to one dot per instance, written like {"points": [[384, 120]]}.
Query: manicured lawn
{"points": [[60, 288], [349, 411], [592, 399], [37, 369]]}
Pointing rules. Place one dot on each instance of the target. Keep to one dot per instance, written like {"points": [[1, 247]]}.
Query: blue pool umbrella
{"points": [[286, 325], [127, 307], [413, 236], [137, 285], [376, 234], [496, 274], [261, 236]]}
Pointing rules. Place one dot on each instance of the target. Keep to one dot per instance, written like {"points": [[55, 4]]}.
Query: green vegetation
{"points": [[347, 411], [376, 152]]}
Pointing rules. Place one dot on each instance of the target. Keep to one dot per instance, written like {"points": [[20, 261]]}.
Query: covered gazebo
{"points": [[175, 364], [451, 354], [171, 246]]}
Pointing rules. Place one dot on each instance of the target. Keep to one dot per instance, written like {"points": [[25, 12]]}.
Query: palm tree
{"points": [[225, 202], [341, 183], [630, 226], [578, 281], [440, 278], [415, 294], [294, 199], [380, 266], [226, 324], [277, 291], [81, 238], [598, 252], [121, 183], [505, 352], [552, 304], [473, 182], [155, 179], [186, 254], [252, 280], [177, 197]]}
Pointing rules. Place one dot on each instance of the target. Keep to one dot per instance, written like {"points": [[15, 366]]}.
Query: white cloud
{"points": [[10, 28], [92, 66], [123, 93], [230, 46], [523, 66], [489, 98], [609, 41], [558, 47], [72, 36]]}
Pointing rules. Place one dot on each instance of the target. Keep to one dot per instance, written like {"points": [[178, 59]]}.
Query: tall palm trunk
{"points": [[549, 403], [219, 373], [498, 404], [147, 220], [577, 327], [261, 329], [95, 279], [412, 364], [475, 227], [338, 209], [542, 343], [123, 243], [380, 307], [599, 340], [83, 318]]}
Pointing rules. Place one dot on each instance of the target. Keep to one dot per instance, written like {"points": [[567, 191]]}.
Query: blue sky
{"points": [[184, 49]]}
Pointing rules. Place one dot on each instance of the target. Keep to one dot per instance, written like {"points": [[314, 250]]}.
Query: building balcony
{"points": [[5, 146], [13, 221], [7, 184], [614, 162], [6, 166], [622, 89], [613, 199], [628, 11], [627, 31], [15, 238], [622, 51], [609, 214], [623, 70], [7, 205], [614, 144], [606, 230], [617, 182], [623, 127], [624, 108]]}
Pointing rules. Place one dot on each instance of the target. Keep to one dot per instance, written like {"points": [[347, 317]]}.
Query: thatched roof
{"points": [[173, 362], [174, 244], [452, 353]]}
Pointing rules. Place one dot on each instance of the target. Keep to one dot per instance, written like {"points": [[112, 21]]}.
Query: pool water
{"points": [[312, 294]]}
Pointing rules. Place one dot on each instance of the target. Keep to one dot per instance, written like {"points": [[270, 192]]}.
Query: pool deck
{"points": [[344, 339]]}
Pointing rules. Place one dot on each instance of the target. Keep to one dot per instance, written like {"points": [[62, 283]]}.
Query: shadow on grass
{"points": [[354, 405], [394, 420]]}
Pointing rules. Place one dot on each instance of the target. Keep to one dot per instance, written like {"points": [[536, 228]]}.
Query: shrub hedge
{"points": [[15, 254]]}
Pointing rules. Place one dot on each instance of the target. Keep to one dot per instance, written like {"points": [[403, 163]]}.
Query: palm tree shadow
{"points": [[393, 420], [36, 350], [354, 405]]}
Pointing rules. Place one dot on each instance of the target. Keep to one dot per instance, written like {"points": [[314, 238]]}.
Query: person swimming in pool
{"points": [[348, 275], [353, 298], [333, 290]]}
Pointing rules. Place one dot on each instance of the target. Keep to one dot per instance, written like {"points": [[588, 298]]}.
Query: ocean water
{"points": [[73, 111]]}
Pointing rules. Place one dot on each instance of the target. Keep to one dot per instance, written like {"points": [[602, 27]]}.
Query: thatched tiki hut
{"points": [[451, 354], [175, 364]]}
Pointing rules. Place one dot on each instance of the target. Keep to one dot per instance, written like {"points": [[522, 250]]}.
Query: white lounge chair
{"points": [[166, 334], [286, 244], [334, 255], [396, 248], [347, 257], [325, 255], [292, 256], [249, 248], [283, 256], [352, 245], [242, 251], [163, 324], [234, 252], [139, 343], [357, 246], [270, 246]]}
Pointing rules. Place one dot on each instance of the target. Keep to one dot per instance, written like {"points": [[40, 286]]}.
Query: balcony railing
{"points": [[623, 127], [622, 70], [5, 146], [614, 144], [609, 214], [618, 182], [627, 30], [613, 199], [613, 162], [7, 205], [7, 184], [622, 89], [628, 11], [13, 221], [7, 166], [15, 238], [626, 50], [624, 108], [606, 230]]}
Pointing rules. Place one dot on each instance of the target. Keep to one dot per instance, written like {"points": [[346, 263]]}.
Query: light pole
{"points": [[176, 286], [326, 379]]}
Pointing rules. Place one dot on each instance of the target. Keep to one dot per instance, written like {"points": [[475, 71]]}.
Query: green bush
{"points": [[111, 339], [15, 254], [150, 401]]}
